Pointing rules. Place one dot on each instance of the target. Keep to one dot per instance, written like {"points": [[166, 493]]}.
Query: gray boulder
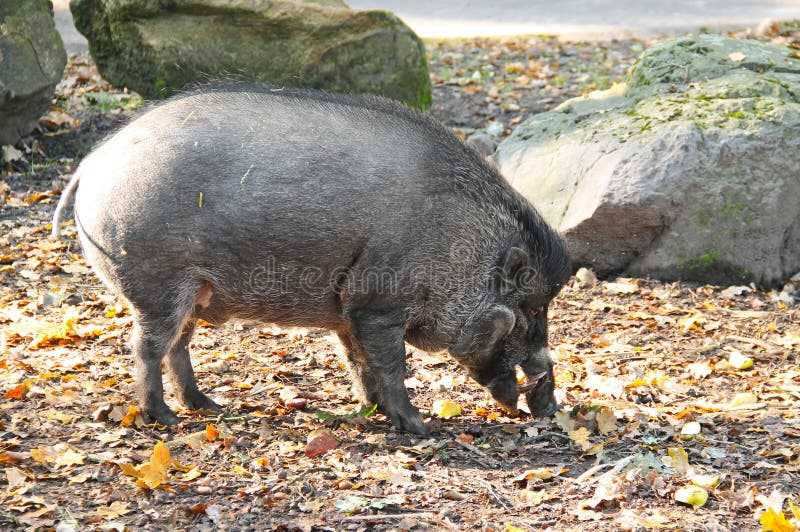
{"points": [[689, 170], [156, 47], [32, 60]]}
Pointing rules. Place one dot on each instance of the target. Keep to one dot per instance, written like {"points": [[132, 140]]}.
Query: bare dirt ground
{"points": [[680, 401]]}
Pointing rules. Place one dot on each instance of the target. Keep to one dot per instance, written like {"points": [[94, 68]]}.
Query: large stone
{"points": [[32, 60], [690, 170], [156, 47]]}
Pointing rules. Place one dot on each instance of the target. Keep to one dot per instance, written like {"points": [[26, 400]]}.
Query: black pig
{"points": [[304, 208]]}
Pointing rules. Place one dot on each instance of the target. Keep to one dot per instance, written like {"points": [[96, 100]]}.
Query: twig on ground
{"points": [[381, 517], [496, 496], [617, 466], [471, 448], [771, 348]]}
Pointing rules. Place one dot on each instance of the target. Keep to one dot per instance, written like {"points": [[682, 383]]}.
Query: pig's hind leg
{"points": [[160, 318], [183, 379]]}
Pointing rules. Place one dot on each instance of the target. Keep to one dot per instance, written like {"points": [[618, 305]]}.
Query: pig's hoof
{"points": [[410, 423], [197, 400], [162, 415]]}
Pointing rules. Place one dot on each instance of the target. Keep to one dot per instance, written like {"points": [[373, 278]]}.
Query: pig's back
{"points": [[247, 177]]}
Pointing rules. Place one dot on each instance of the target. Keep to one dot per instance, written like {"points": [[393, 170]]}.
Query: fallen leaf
{"points": [[130, 417], [112, 511], [692, 495], [705, 481], [212, 433], [678, 459], [15, 477], [192, 474], [319, 442], [739, 361], [541, 473], [152, 473], [775, 521], [736, 57], [444, 408], [18, 392], [606, 420], [692, 428]]}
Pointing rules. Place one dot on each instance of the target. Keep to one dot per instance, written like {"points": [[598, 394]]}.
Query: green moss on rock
{"points": [[156, 48]]}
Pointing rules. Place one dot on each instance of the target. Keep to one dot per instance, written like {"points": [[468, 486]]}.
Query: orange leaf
{"points": [[18, 392], [130, 417], [212, 433]]}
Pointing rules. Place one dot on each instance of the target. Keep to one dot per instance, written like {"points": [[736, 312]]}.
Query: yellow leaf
{"points": [[68, 457], [192, 474], [54, 333], [694, 495], [677, 459], [239, 470], [741, 399], [581, 437], [705, 481], [181, 467], [795, 510], [112, 511], [161, 455], [512, 528], [41, 455], [532, 498], [692, 323], [692, 428], [151, 474], [130, 417], [737, 360], [79, 479], [606, 420], [541, 473], [130, 470], [490, 415], [772, 521], [444, 408], [212, 433], [262, 462]]}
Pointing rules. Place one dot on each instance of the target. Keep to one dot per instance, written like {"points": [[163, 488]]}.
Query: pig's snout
{"points": [[504, 390]]}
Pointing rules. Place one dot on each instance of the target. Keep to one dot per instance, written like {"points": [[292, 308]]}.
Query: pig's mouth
{"points": [[533, 382], [539, 394]]}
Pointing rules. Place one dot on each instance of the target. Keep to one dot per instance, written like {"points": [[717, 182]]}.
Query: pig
{"points": [[304, 208]]}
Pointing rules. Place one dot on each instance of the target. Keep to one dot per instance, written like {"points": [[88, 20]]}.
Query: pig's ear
{"points": [[478, 340], [516, 260]]}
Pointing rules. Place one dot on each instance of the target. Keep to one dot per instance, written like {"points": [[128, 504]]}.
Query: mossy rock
{"points": [[157, 47], [32, 60], [688, 170]]}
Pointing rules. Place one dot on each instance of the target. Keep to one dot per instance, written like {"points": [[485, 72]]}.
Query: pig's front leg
{"points": [[380, 337]]}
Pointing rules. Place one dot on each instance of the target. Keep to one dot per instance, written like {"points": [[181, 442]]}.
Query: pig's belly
{"points": [[268, 297]]}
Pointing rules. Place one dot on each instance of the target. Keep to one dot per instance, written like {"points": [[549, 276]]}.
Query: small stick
{"points": [[771, 348], [592, 471], [477, 451], [496, 496], [380, 517], [618, 466]]}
